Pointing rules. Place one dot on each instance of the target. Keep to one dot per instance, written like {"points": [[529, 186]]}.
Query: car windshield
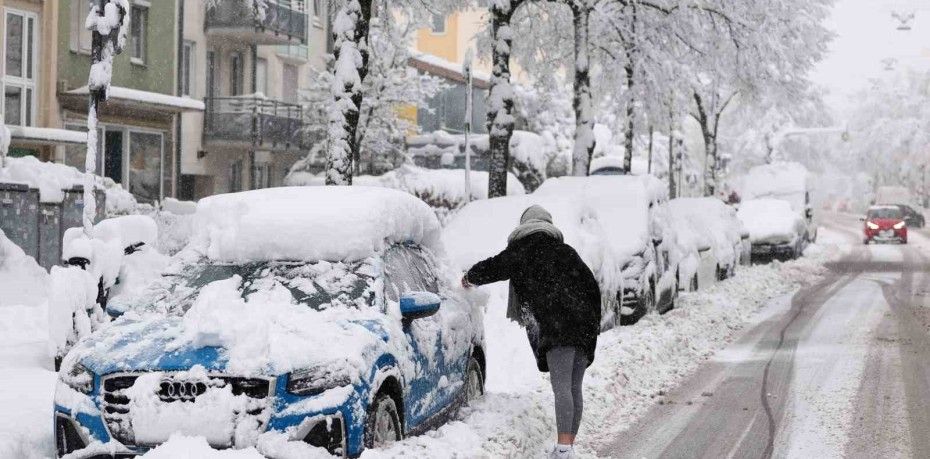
{"points": [[885, 213], [319, 285]]}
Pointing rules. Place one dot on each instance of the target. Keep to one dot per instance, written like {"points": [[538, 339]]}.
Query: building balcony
{"points": [[253, 123], [283, 22]]}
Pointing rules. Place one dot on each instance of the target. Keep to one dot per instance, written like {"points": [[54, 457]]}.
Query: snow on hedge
{"points": [[771, 221], [22, 280], [52, 178], [347, 223]]}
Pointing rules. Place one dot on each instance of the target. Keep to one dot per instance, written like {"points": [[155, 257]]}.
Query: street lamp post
{"points": [[108, 21]]}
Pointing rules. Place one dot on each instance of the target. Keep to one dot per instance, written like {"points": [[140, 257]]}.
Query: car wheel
{"points": [[474, 381], [382, 426]]}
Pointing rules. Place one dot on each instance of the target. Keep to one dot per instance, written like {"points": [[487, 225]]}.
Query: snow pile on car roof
{"points": [[770, 220], [438, 187], [788, 181], [311, 223]]}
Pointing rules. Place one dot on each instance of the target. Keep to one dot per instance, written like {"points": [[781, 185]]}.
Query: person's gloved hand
{"points": [[465, 283]]}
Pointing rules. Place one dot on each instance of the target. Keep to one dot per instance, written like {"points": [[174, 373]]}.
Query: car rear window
{"points": [[885, 213]]}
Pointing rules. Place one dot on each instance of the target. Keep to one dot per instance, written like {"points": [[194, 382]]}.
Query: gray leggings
{"points": [[566, 371]]}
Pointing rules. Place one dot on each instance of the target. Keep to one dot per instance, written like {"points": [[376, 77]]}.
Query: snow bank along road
{"points": [[842, 371]]}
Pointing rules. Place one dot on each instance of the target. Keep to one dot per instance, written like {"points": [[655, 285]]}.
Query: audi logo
{"points": [[171, 390]]}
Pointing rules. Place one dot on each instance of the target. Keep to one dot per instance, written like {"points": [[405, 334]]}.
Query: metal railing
{"points": [[260, 122], [281, 17]]}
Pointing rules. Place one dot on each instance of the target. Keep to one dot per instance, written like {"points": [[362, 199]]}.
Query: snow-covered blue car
{"points": [[327, 315]]}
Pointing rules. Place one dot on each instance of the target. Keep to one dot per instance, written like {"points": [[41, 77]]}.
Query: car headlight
{"points": [[871, 225], [315, 381], [78, 378], [899, 225]]}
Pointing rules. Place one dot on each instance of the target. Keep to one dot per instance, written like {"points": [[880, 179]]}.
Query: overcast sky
{"points": [[866, 34]]}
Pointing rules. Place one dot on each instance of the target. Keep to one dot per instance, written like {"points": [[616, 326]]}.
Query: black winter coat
{"points": [[554, 285]]}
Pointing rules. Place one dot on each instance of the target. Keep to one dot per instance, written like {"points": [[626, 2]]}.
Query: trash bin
{"points": [[19, 211], [49, 223], [72, 207]]}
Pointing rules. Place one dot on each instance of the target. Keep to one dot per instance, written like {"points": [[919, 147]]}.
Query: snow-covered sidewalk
{"points": [[632, 366]]}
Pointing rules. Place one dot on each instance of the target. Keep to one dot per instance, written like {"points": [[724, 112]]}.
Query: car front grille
{"points": [[116, 403]]}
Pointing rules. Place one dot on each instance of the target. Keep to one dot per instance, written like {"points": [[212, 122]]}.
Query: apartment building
{"points": [[441, 50], [138, 125], [249, 69], [29, 75]]}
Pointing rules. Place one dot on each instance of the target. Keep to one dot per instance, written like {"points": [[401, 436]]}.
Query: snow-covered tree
{"points": [[390, 85], [501, 96], [350, 32], [352, 51], [889, 132]]}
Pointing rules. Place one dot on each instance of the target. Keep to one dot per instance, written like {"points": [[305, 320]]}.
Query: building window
{"points": [[187, 62], [235, 176], [145, 165], [317, 11], [261, 76], [439, 24], [139, 26], [262, 175], [19, 68], [235, 74], [80, 38], [289, 83]]}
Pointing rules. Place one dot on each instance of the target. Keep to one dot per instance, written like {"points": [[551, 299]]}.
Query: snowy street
{"points": [[464, 229], [840, 371]]}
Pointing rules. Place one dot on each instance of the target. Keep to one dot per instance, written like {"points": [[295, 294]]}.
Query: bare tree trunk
{"points": [[584, 118], [630, 70], [710, 146], [500, 98]]}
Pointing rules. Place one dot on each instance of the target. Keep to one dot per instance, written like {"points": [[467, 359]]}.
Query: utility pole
{"points": [[467, 72], [109, 23]]}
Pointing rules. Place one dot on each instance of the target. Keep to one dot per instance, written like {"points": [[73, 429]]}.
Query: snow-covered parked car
{"points": [[775, 229], [713, 233], [786, 181], [338, 325], [616, 223]]}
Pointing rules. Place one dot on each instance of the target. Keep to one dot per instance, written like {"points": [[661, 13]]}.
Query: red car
{"points": [[885, 224]]}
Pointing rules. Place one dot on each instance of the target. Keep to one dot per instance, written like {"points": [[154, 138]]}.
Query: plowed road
{"points": [[843, 372]]}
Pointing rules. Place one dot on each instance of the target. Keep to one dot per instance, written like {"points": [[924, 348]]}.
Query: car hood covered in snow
{"points": [[270, 344]]}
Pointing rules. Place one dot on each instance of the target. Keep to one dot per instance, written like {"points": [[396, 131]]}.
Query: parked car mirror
{"points": [[417, 305]]}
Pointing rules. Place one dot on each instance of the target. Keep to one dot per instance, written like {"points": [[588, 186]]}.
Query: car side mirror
{"points": [[417, 305]]}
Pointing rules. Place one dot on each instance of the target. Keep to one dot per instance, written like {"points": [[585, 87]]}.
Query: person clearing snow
{"points": [[557, 298]]}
